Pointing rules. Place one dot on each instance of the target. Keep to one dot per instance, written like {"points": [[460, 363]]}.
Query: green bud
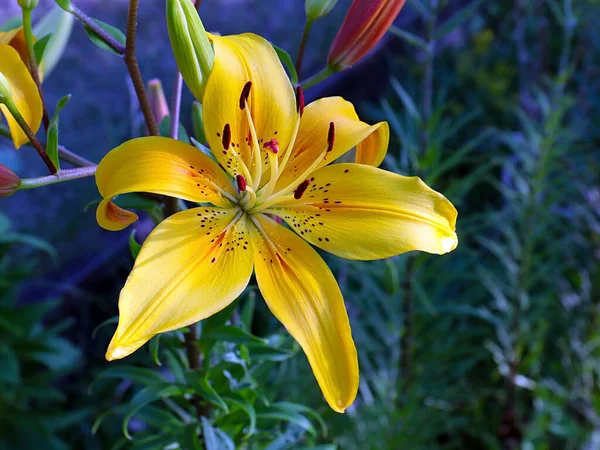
{"points": [[316, 9], [5, 90], [193, 51], [65, 4], [198, 123], [27, 4]]}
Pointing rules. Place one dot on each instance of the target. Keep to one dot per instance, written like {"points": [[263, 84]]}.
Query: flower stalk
{"points": [[12, 108], [33, 68], [58, 177]]}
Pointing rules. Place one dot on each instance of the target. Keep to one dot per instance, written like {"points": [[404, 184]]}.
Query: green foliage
{"points": [[224, 404]]}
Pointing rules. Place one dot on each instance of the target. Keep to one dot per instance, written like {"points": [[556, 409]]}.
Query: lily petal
{"points": [[16, 39], [25, 94], [239, 59], [371, 140], [160, 166], [302, 293], [189, 268], [361, 212]]}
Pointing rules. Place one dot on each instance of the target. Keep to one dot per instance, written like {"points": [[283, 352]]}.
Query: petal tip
{"points": [[116, 351], [448, 243]]}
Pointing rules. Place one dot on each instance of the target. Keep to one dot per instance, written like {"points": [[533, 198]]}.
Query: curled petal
{"points": [[360, 212], [160, 166], [371, 141]]}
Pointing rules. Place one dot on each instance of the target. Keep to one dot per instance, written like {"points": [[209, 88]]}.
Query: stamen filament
{"points": [[290, 148], [270, 202], [249, 198], [257, 169]]}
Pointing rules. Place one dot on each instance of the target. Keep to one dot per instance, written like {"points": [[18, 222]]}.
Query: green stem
{"points": [[317, 78], [134, 68], [33, 68], [307, 27], [12, 108], [92, 25], [59, 177]]}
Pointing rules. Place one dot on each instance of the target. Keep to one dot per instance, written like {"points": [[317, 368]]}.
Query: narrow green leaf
{"points": [[52, 144], [458, 19], [231, 333], [288, 63], [114, 32], [134, 246], [112, 320], [245, 406], [59, 106], [247, 313], [39, 47], [154, 346], [210, 438], [59, 24], [164, 128], [139, 375], [176, 365], [409, 37], [205, 390]]}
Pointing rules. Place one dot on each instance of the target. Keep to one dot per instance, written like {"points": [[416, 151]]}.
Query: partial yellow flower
{"points": [[25, 94], [274, 160]]}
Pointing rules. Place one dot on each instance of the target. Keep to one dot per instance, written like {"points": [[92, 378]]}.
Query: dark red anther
{"points": [[226, 139], [301, 189], [299, 100], [272, 145], [330, 136], [245, 94], [241, 182]]}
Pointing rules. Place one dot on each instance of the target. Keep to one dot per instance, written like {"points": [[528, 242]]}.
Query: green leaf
{"points": [[39, 47], [164, 128], [207, 151], [176, 365], [409, 37], [245, 406], [286, 414], [247, 313], [149, 395], [302, 409], [154, 346], [112, 31], [210, 438], [458, 19], [59, 106], [138, 375], [288, 63], [110, 321], [231, 333], [267, 353], [134, 246], [205, 390], [52, 144]]}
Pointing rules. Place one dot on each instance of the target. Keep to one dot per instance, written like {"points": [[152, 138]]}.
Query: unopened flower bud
{"points": [[5, 90], [65, 4], [316, 9], [192, 50], [27, 4], [364, 26], [198, 123], [9, 181], [158, 101]]}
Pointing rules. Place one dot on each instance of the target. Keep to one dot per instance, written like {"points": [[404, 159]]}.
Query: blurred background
{"points": [[493, 346]]}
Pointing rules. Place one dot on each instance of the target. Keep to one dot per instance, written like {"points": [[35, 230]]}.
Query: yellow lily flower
{"points": [[25, 94], [276, 156]]}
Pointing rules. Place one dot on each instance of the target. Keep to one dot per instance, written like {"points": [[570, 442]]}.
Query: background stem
{"points": [[134, 68], [59, 177], [305, 34]]}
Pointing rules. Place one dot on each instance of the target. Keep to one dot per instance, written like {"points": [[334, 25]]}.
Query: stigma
{"points": [[272, 145]]}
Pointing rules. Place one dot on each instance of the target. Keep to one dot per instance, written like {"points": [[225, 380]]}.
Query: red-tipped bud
{"points": [[272, 145], [301, 189], [364, 26], [241, 182], [245, 94], [9, 181], [330, 136], [299, 100], [226, 138], [158, 101]]}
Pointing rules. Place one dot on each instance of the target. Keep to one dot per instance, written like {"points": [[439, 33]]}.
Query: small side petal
{"points": [[189, 268], [25, 94], [371, 140], [161, 166], [302, 293], [360, 212]]}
